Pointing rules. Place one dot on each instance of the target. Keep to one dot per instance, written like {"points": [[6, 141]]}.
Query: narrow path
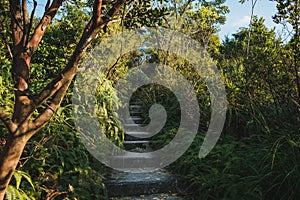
{"points": [[157, 185]]}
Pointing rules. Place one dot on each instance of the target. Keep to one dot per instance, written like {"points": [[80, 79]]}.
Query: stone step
{"points": [[122, 184], [136, 112], [134, 120], [156, 185], [152, 197], [132, 127], [134, 160], [136, 144], [135, 136], [135, 103], [133, 108]]}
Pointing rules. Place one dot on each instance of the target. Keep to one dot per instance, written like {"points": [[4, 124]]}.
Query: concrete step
{"points": [[134, 136], [157, 185], [134, 160], [135, 103], [136, 112], [121, 184], [132, 127], [137, 144], [152, 197], [135, 107], [135, 120]]}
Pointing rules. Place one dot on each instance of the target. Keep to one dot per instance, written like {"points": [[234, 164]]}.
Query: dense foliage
{"points": [[258, 153]]}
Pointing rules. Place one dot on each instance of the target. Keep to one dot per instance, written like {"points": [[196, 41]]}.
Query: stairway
{"points": [[138, 186]]}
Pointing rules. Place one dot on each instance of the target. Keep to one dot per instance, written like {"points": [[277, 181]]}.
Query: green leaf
{"points": [[18, 178], [13, 193], [19, 175]]}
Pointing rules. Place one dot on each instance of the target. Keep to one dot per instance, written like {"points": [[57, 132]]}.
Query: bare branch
{"points": [[47, 5], [25, 21], [97, 11], [7, 121], [31, 19], [9, 50], [4, 38], [297, 103], [43, 25], [16, 22], [24, 11]]}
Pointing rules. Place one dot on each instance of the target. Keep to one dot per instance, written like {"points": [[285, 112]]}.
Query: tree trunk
{"points": [[21, 127], [9, 159]]}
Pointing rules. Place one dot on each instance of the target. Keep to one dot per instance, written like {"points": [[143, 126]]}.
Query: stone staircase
{"points": [[156, 185]]}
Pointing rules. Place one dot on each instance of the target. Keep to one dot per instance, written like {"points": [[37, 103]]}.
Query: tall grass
{"points": [[255, 167]]}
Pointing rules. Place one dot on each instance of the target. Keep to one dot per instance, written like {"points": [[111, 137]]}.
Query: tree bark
{"points": [[21, 127], [9, 159]]}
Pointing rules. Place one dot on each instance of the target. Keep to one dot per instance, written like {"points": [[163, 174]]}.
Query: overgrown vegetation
{"points": [[258, 154]]}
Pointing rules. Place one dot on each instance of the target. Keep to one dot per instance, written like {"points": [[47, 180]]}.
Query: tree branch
{"points": [[44, 117], [16, 22], [25, 21], [97, 11], [71, 69], [114, 10], [42, 26], [7, 121], [4, 38], [31, 20], [47, 5]]}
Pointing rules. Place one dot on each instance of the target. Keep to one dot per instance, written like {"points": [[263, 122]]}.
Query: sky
{"points": [[239, 15]]}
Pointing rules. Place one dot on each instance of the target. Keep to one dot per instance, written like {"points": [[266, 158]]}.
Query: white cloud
{"points": [[242, 22]]}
